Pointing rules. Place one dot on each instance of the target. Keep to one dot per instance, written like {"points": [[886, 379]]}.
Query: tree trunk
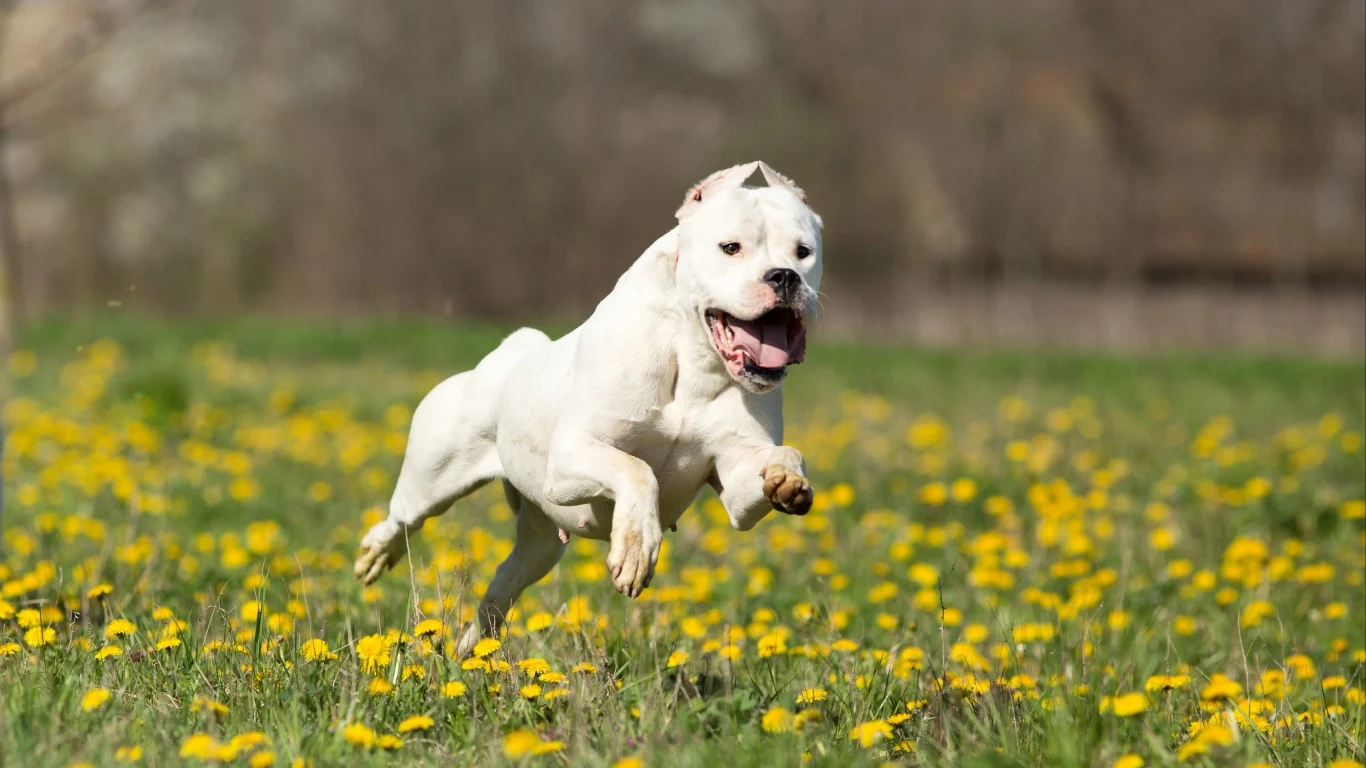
{"points": [[10, 289]]}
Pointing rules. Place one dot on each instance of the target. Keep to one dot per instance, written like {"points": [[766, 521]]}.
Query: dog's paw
{"points": [[632, 557], [787, 490], [381, 549], [469, 637]]}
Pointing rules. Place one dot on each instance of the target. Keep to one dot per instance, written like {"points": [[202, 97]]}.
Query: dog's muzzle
{"points": [[761, 348]]}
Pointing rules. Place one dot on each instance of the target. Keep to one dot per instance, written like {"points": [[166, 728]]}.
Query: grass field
{"points": [[1014, 559]]}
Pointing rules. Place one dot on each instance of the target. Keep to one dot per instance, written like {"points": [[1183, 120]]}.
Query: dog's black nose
{"points": [[784, 282]]}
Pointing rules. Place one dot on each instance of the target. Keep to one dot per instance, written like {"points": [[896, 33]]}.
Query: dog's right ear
{"points": [[730, 178], [776, 179]]}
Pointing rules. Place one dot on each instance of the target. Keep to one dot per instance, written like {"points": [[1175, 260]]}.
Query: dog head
{"points": [[749, 269]]}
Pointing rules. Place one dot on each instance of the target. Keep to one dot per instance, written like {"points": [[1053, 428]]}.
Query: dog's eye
{"points": [[730, 249], [803, 251]]}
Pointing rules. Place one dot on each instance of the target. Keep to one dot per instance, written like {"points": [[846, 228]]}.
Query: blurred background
{"points": [[1124, 174]]}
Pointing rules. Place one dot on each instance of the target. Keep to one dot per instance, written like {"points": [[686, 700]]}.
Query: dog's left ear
{"points": [[776, 179], [729, 178]]}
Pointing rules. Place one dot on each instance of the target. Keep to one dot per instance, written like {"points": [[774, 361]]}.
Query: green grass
{"points": [[202, 468]]}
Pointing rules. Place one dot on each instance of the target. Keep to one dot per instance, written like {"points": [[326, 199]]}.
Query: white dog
{"points": [[610, 431]]}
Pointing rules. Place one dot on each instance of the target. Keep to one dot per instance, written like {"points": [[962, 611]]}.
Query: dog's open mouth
{"points": [[761, 348]]}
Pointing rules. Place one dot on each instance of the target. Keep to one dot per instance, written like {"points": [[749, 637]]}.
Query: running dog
{"points": [[609, 432]]}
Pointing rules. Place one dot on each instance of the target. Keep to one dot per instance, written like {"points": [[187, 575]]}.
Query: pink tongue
{"points": [[766, 343]]}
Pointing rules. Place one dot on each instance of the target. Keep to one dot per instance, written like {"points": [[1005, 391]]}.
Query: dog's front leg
{"points": [[752, 479], [583, 469]]}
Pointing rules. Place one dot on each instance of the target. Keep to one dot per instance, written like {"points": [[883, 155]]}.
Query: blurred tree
{"points": [[9, 236], [98, 25]]}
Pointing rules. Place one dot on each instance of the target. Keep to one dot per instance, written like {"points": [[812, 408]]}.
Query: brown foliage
{"points": [[482, 158]]}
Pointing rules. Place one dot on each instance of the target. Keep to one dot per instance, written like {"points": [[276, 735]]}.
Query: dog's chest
{"points": [[674, 439], [674, 443]]}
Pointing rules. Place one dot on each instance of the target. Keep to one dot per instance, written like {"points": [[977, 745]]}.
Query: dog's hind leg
{"points": [[537, 549], [450, 453]]}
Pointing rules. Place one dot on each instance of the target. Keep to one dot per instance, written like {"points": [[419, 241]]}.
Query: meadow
{"points": [[1014, 558]]}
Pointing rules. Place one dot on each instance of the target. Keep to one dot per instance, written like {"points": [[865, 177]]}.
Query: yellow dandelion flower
{"points": [[1128, 761], [200, 746], [872, 732], [453, 689], [1221, 688], [166, 643], [373, 652], [1125, 705], [525, 743], [487, 647], [319, 491], [1191, 750], [37, 637], [677, 659], [416, 723], [429, 628], [629, 762], [805, 716], [100, 591], [9, 649], [811, 695], [94, 699], [119, 628], [554, 694], [1158, 683], [265, 759], [539, 621], [1213, 734], [355, 734], [777, 720], [317, 650], [201, 704], [531, 691], [584, 668], [533, 667], [246, 742], [129, 754], [379, 687], [108, 652]]}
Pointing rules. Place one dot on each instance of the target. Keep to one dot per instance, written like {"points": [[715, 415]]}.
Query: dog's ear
{"points": [[776, 179], [730, 178]]}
